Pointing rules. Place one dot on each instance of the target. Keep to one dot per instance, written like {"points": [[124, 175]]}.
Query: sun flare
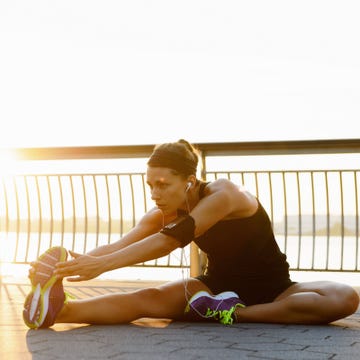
{"points": [[7, 162]]}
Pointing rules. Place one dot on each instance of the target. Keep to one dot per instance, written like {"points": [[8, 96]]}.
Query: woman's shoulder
{"points": [[217, 185], [153, 218], [244, 203], [227, 185]]}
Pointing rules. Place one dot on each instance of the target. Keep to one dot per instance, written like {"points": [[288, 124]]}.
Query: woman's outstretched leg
{"points": [[166, 301], [46, 302]]}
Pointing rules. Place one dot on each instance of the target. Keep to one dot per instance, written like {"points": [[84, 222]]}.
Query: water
{"points": [[324, 253]]}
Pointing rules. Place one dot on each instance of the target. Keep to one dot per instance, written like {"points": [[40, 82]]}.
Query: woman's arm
{"points": [[149, 224], [86, 267], [224, 200], [92, 262]]}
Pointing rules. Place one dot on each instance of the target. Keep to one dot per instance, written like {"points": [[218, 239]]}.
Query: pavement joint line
{"points": [[149, 339]]}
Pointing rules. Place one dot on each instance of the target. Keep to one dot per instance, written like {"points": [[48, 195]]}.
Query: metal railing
{"points": [[78, 211], [315, 212]]}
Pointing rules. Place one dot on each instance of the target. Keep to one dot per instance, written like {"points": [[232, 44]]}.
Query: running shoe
{"points": [[219, 307], [47, 295]]}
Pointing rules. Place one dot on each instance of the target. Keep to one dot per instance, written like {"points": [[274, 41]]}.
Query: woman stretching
{"points": [[247, 276]]}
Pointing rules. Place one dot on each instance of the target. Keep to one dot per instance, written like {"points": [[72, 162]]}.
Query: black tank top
{"points": [[243, 248]]}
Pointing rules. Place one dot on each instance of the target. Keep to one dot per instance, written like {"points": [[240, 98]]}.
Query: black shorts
{"points": [[250, 291]]}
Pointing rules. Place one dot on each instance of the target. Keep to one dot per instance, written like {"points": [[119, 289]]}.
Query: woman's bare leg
{"points": [[165, 301], [305, 303]]}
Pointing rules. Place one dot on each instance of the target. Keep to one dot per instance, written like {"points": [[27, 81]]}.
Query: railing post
{"points": [[197, 259], [195, 266]]}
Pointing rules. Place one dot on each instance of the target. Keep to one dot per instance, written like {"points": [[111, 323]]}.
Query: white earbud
{"points": [[188, 186]]}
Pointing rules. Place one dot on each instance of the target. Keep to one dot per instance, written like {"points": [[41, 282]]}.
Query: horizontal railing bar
{"points": [[84, 174], [109, 174], [80, 153], [331, 146], [280, 171]]}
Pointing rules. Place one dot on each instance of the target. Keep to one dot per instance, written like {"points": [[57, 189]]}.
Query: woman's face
{"points": [[167, 189]]}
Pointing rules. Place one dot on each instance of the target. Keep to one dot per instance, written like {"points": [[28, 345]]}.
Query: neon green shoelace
{"points": [[224, 316]]}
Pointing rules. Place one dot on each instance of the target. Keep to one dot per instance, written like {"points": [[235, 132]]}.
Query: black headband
{"points": [[172, 160]]}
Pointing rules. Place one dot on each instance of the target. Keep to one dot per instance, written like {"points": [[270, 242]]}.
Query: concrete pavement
{"points": [[162, 339]]}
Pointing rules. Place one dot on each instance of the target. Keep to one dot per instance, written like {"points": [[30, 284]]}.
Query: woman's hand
{"points": [[32, 270], [80, 268]]}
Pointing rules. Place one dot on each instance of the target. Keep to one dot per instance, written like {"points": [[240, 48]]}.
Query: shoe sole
{"points": [[41, 287], [224, 295]]}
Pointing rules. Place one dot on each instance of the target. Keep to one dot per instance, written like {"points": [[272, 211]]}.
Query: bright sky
{"points": [[90, 72]]}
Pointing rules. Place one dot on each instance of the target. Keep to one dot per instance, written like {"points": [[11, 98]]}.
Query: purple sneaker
{"points": [[219, 307], [47, 295]]}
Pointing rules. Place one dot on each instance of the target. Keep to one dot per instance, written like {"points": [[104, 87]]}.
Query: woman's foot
{"points": [[47, 296], [219, 307]]}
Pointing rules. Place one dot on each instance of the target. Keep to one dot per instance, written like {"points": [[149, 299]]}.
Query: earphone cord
{"points": [[186, 278], [183, 256], [184, 265]]}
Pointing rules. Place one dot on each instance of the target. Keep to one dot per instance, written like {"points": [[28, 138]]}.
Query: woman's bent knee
{"points": [[350, 300], [344, 301], [333, 301]]}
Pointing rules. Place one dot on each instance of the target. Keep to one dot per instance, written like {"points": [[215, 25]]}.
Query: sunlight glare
{"points": [[7, 162], [7, 168]]}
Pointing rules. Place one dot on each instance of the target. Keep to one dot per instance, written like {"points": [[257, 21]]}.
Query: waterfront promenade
{"points": [[162, 339]]}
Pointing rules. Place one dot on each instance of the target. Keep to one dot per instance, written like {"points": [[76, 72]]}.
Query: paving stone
{"points": [[162, 339]]}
